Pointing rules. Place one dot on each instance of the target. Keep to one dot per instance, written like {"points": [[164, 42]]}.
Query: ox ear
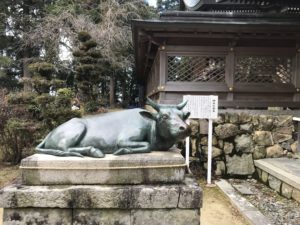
{"points": [[186, 115], [148, 115]]}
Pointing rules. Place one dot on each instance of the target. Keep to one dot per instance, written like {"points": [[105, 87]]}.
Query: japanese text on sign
{"points": [[202, 107]]}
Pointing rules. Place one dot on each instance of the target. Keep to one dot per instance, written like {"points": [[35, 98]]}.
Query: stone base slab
{"points": [[105, 216], [147, 168], [186, 196], [166, 204]]}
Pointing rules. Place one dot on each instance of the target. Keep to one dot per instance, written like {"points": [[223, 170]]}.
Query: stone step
{"points": [[281, 174], [147, 168]]}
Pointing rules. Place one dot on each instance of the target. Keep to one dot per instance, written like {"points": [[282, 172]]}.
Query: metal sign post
{"points": [[202, 107], [187, 148], [209, 151]]}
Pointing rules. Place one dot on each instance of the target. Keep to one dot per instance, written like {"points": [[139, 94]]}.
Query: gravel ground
{"points": [[279, 210]]}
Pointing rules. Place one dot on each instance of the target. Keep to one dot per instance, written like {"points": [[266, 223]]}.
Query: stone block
{"points": [[258, 173], [216, 152], [221, 143], [279, 138], [274, 151], [226, 130], [244, 143], [146, 196], [286, 190], [204, 140], [263, 138], [34, 216], [285, 130], [259, 152], [274, 183], [245, 118], [264, 177], [194, 124], [228, 148], [240, 165], [247, 127], [283, 121], [265, 122], [165, 217], [220, 119], [294, 146], [286, 146], [193, 143], [220, 168], [296, 195], [97, 216], [154, 167], [203, 126], [190, 195], [233, 118]]}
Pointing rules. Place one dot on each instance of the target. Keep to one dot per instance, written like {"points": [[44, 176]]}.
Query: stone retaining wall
{"points": [[241, 137], [278, 185]]}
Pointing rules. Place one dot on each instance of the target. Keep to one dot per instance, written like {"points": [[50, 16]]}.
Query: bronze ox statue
{"points": [[123, 132]]}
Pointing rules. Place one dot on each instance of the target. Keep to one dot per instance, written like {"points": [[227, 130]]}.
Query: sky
{"points": [[152, 2]]}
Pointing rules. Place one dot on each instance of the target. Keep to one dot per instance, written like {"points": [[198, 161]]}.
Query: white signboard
{"points": [[202, 107]]}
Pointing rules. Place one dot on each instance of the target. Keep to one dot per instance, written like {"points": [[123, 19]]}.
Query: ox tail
{"points": [[40, 149]]}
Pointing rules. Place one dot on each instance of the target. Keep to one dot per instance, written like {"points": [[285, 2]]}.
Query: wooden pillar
{"points": [[229, 73], [162, 73]]}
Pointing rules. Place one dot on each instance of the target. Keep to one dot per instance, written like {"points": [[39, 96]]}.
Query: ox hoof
{"points": [[96, 153]]}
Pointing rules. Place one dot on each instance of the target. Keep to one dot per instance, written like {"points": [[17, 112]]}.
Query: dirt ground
{"points": [[217, 209], [7, 175]]}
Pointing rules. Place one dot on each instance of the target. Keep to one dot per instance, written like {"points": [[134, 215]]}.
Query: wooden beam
{"points": [[222, 87], [230, 35], [268, 51], [264, 88], [243, 104], [196, 49], [195, 87], [256, 104]]}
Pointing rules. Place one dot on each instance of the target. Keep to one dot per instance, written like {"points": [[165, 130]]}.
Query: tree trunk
{"points": [[124, 93], [112, 91], [26, 54], [26, 74]]}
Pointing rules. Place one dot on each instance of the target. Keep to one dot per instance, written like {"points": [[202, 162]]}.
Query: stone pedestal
{"points": [[148, 168], [162, 199]]}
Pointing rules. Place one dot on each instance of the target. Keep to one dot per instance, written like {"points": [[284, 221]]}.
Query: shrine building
{"points": [[245, 51]]}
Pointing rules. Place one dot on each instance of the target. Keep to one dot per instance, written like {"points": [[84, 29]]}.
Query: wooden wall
{"points": [[283, 89]]}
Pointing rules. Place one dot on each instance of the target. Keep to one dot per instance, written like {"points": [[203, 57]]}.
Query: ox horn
{"points": [[181, 105], [153, 104]]}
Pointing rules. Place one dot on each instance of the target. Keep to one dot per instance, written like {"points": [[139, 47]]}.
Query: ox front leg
{"points": [[132, 147]]}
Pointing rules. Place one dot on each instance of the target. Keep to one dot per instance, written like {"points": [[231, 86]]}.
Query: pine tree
{"points": [[89, 69]]}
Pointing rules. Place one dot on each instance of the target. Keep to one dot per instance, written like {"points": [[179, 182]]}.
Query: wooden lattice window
{"points": [[196, 68], [262, 69]]}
